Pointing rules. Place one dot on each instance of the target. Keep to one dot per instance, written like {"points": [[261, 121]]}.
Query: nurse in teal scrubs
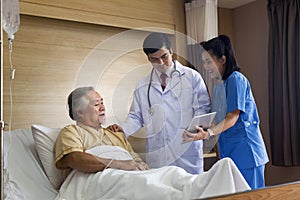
{"points": [[239, 134]]}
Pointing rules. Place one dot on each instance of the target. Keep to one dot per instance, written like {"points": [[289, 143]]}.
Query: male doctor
{"points": [[165, 107]]}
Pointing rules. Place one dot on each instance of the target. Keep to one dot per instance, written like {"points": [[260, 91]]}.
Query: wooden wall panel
{"points": [[47, 55], [117, 13]]}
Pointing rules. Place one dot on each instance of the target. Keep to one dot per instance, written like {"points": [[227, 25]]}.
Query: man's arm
{"points": [[89, 163], [134, 120]]}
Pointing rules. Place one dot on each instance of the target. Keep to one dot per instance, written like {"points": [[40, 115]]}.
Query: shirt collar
{"points": [[88, 127]]}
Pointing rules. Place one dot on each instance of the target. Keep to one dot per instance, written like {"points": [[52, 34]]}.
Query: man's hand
{"points": [[115, 128], [129, 165]]}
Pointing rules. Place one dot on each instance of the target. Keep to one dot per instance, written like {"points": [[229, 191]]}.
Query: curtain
{"points": [[201, 25], [284, 85]]}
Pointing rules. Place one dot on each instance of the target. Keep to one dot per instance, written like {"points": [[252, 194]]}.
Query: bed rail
{"points": [[288, 191]]}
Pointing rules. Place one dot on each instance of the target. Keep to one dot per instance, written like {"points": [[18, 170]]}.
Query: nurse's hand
{"points": [[115, 128], [200, 135]]}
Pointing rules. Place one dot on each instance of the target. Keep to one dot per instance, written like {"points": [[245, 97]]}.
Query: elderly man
{"points": [[87, 109]]}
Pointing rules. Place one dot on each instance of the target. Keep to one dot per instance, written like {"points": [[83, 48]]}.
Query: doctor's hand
{"points": [[115, 128], [200, 135]]}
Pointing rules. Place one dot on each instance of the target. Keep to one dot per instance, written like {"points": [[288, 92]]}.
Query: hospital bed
{"points": [[29, 174], [289, 191]]}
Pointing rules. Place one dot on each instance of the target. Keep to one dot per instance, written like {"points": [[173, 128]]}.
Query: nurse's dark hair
{"points": [[77, 101], [221, 46], [155, 41]]}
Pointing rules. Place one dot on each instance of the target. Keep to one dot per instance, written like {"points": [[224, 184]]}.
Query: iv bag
{"points": [[10, 17]]}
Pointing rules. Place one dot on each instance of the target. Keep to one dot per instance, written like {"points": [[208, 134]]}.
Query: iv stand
{"points": [[1, 107]]}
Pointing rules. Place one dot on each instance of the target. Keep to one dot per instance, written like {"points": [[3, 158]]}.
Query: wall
{"points": [[250, 24], [62, 45], [225, 23], [117, 13]]}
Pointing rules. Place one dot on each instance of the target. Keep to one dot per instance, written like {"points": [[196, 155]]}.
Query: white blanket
{"points": [[163, 183]]}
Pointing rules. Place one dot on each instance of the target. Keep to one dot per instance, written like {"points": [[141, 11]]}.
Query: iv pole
{"points": [[11, 19], [1, 108]]}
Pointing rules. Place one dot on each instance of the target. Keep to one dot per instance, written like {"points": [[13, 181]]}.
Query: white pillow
{"points": [[111, 152], [44, 138]]}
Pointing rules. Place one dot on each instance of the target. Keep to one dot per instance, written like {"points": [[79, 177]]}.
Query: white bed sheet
{"points": [[168, 183], [24, 175]]}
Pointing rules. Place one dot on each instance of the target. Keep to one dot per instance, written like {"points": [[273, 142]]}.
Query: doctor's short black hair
{"points": [[155, 41]]}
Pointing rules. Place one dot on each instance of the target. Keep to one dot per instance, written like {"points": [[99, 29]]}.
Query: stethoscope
{"points": [[151, 110]]}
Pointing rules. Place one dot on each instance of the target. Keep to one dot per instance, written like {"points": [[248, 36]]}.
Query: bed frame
{"points": [[288, 191]]}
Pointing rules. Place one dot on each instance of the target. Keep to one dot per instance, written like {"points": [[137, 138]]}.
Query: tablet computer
{"points": [[204, 121]]}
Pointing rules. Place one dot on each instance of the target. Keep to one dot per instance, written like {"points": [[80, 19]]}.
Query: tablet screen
{"points": [[204, 121]]}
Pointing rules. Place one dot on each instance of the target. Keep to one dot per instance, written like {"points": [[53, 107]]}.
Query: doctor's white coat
{"points": [[184, 97]]}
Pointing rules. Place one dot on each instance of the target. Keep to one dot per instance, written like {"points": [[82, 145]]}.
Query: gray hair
{"points": [[77, 101]]}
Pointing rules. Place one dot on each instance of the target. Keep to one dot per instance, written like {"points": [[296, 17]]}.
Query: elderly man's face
{"points": [[94, 114]]}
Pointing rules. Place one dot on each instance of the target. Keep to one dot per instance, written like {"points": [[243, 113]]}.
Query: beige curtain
{"points": [[201, 20], [201, 25]]}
